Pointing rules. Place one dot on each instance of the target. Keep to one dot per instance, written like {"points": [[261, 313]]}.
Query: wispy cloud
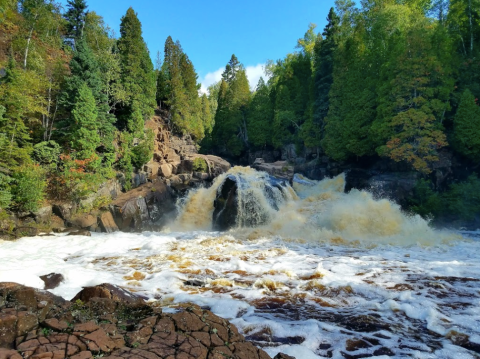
{"points": [[253, 73]]}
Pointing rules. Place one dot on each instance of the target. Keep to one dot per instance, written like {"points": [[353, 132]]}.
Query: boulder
{"points": [[217, 165], [52, 280], [108, 291], [64, 210], [42, 215], [83, 221], [151, 169], [107, 223], [148, 207], [165, 170], [279, 169], [80, 232]]}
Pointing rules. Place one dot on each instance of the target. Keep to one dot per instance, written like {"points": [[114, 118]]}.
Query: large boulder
{"points": [[149, 206]]}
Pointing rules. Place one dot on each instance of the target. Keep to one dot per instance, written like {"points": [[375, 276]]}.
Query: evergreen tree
{"points": [[137, 75], [323, 77], [85, 70], [207, 117], [84, 129], [260, 117], [466, 134], [75, 16], [230, 135], [284, 119]]}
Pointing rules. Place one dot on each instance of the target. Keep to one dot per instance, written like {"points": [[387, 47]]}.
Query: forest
{"points": [[395, 79]]}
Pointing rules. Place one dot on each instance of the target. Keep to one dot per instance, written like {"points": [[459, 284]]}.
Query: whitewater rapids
{"points": [[328, 274]]}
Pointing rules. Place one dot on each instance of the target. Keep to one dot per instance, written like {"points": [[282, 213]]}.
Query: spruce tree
{"points": [[75, 16], [323, 75], [138, 76], [84, 129]]}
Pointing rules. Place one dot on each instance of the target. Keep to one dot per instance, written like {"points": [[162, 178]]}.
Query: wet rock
{"points": [[150, 206], [8, 324], [226, 212], [55, 324], [192, 333], [52, 280], [107, 223], [194, 283], [283, 356], [25, 231], [80, 232], [279, 169], [108, 291]]}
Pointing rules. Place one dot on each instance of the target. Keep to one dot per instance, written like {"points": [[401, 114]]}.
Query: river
{"points": [[321, 274]]}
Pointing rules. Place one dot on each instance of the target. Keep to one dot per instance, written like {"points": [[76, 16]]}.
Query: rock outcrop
{"points": [[279, 169], [107, 321], [149, 206]]}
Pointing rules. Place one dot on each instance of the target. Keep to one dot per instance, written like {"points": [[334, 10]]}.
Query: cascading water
{"points": [[240, 198], [257, 204]]}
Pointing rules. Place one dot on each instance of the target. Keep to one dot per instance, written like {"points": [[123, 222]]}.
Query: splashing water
{"points": [[313, 211]]}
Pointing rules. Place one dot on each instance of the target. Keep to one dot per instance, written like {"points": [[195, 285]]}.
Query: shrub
{"points": [[5, 195], [200, 165], [47, 153], [143, 152], [462, 200], [425, 201], [28, 188]]}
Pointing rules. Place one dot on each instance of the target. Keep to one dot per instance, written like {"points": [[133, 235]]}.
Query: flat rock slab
{"points": [[107, 321]]}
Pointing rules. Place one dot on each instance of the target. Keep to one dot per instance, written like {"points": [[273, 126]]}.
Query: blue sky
{"points": [[211, 30]]}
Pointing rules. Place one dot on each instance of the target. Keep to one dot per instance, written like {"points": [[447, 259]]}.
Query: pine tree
{"points": [[466, 130], [85, 70], [138, 76], [323, 76], [84, 129], [75, 16]]}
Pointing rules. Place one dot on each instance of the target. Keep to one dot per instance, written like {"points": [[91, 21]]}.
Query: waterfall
{"points": [[258, 204]]}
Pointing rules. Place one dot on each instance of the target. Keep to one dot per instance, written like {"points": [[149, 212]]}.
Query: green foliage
{"points": [[5, 194], [200, 165], [137, 74], [180, 90], [230, 134], [143, 152], [466, 134], [75, 16], [459, 204], [260, 117], [84, 131], [462, 200], [28, 188], [425, 201], [47, 153]]}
